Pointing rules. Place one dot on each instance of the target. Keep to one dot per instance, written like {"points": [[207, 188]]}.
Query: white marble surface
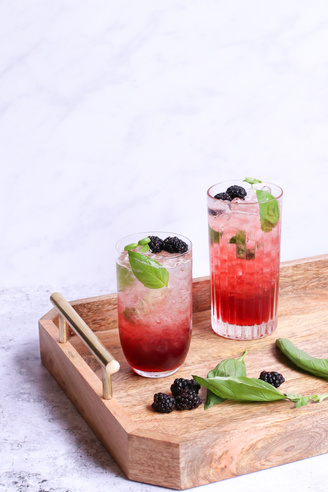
{"points": [[115, 117]]}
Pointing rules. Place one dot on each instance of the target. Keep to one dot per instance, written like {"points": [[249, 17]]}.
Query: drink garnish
{"points": [[130, 246], [269, 207], [269, 210], [143, 243], [241, 251], [175, 245], [232, 192], [156, 244], [214, 236], [252, 181], [148, 271], [223, 196], [236, 191]]}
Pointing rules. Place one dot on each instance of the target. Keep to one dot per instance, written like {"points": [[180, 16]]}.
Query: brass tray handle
{"points": [[67, 314]]}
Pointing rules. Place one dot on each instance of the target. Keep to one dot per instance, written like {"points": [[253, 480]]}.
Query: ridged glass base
{"points": [[161, 374], [237, 332]]}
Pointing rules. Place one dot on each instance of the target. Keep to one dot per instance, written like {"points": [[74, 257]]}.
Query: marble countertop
{"points": [[46, 445], [115, 118]]}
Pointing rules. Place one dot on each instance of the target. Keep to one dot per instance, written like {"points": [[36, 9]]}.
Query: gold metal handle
{"points": [[67, 314]]}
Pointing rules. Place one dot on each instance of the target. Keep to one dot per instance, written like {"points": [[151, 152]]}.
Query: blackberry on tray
{"points": [[188, 400], [163, 403], [273, 378], [180, 384]]}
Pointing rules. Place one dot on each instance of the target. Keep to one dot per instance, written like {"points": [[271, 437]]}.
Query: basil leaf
{"points": [[241, 388], [144, 248], [143, 241], [299, 400], [313, 365], [252, 181], [320, 398], [149, 272], [227, 367], [214, 236], [240, 241], [269, 210], [130, 246]]}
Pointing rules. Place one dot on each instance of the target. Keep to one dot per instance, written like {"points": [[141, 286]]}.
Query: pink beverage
{"points": [[154, 321], [244, 239]]}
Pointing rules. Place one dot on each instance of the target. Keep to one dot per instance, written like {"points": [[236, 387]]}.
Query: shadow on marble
{"points": [[58, 413]]}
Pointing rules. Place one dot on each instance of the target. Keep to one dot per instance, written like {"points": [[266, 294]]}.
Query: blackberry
{"points": [[187, 400], [163, 403], [155, 244], [223, 196], [273, 378], [181, 384], [175, 245], [236, 191]]}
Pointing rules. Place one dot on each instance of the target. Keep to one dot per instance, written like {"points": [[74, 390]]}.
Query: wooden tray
{"points": [[185, 449]]}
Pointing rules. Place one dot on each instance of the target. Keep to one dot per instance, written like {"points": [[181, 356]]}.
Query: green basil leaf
{"points": [[252, 181], [227, 367], [313, 365], [144, 248], [241, 388], [130, 246], [212, 399], [299, 400], [148, 271], [214, 236], [269, 210], [320, 398], [239, 238], [143, 241], [241, 251]]}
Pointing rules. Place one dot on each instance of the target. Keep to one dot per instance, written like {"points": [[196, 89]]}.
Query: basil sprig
{"points": [[148, 271], [269, 207], [252, 181], [251, 389], [313, 365], [227, 367]]}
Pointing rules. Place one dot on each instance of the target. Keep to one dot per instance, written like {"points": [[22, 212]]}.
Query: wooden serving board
{"points": [[185, 449]]}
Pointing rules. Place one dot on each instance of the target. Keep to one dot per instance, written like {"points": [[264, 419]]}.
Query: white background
{"points": [[115, 118]]}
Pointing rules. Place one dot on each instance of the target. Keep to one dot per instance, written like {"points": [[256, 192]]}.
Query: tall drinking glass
{"points": [[244, 240], [154, 302]]}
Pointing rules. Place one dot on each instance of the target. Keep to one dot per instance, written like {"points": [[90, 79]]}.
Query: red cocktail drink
{"points": [[244, 237], [155, 323]]}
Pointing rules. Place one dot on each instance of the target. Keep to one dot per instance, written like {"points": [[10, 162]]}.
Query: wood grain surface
{"points": [[185, 449]]}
